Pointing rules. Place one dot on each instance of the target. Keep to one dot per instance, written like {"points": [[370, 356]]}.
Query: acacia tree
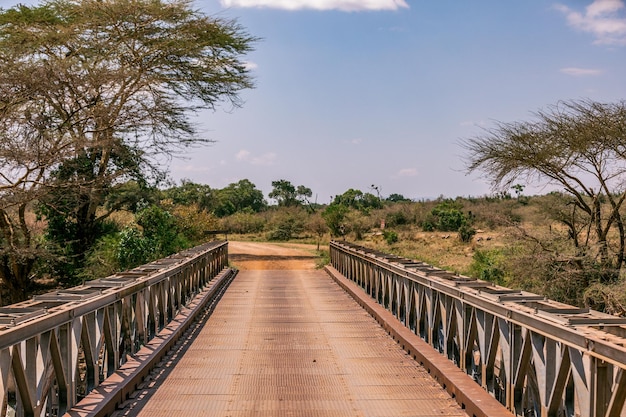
{"points": [[579, 146], [26, 149], [288, 195], [106, 90]]}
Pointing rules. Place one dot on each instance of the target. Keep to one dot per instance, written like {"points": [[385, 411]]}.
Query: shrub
{"points": [[398, 215], [334, 215], [357, 223], [390, 236], [449, 220], [488, 265], [447, 216], [102, 260], [243, 222], [466, 233], [428, 225], [133, 249], [194, 223], [287, 224]]}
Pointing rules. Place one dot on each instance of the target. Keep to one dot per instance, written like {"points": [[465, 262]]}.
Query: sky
{"points": [[362, 93]]}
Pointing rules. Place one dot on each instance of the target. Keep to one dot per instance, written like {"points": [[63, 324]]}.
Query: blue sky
{"points": [[351, 93], [354, 93]]}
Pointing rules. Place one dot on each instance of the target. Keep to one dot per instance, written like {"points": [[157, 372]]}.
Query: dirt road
{"points": [[271, 256]]}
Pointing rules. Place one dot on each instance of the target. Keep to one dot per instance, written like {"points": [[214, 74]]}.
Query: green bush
{"points": [[133, 249], [160, 230], [428, 225], [396, 218], [449, 220], [102, 260], [488, 265], [390, 236], [334, 215], [446, 217], [287, 224], [466, 233]]}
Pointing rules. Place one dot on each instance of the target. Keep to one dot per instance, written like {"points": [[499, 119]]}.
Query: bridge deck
{"points": [[287, 343]]}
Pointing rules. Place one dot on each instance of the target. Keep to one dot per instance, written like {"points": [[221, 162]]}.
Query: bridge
{"points": [[371, 335]]}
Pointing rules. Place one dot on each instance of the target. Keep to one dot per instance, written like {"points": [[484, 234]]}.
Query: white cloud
{"points": [[407, 172], [580, 72], [250, 65], [604, 19], [343, 5], [265, 159], [356, 141], [242, 155]]}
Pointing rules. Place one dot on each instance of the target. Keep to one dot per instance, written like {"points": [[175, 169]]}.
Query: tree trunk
{"points": [[15, 274]]}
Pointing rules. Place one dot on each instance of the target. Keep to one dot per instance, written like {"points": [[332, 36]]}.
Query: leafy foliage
{"points": [[579, 147], [358, 200], [398, 198], [243, 222], [466, 233], [133, 248], [390, 236], [335, 215], [94, 94], [237, 197], [190, 193], [287, 224], [161, 231], [286, 194], [447, 216], [488, 265]]}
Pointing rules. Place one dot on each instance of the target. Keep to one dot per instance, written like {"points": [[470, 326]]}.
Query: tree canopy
{"points": [[286, 194], [239, 196], [358, 200], [95, 93], [579, 146]]}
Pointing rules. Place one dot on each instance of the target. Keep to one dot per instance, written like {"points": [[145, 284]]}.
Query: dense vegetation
{"points": [[508, 238]]}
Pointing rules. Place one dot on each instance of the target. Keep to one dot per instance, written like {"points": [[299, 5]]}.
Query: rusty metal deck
{"points": [[291, 343]]}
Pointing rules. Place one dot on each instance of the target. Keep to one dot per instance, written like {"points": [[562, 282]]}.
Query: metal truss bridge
{"points": [[371, 335]]}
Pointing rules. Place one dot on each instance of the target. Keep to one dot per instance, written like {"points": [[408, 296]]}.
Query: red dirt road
{"points": [[271, 256]]}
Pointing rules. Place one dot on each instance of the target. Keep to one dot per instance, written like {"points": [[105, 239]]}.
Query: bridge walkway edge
{"points": [[469, 395], [109, 396]]}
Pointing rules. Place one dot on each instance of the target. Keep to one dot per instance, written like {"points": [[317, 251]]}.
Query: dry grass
{"points": [[499, 225], [441, 249]]}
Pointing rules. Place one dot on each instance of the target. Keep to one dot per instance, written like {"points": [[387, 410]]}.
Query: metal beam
{"points": [[561, 346]]}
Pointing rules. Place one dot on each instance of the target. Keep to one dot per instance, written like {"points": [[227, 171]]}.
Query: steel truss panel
{"points": [[536, 356], [57, 347]]}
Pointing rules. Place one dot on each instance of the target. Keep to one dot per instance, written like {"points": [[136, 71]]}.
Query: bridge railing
{"points": [[57, 347], [536, 356]]}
